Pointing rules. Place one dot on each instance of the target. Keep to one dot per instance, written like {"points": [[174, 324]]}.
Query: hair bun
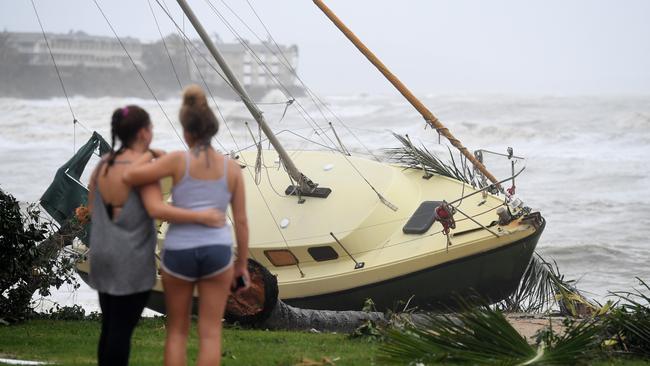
{"points": [[193, 95]]}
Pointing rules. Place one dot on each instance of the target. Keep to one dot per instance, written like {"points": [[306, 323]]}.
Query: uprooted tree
{"points": [[31, 260]]}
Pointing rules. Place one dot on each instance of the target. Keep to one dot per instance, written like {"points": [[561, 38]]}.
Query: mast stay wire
{"points": [[305, 115], [275, 221], [287, 66], [189, 52], [184, 35], [186, 51], [382, 199], [140, 73], [266, 168], [75, 121], [268, 177], [300, 108], [162, 38], [285, 91], [310, 92]]}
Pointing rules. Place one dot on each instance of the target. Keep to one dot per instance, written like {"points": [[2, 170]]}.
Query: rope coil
{"points": [[445, 215]]}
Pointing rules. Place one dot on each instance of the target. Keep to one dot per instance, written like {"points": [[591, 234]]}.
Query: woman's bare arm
{"points": [[152, 198], [238, 204], [144, 171]]}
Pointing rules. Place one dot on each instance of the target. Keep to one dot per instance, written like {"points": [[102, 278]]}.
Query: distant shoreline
{"points": [[40, 82]]}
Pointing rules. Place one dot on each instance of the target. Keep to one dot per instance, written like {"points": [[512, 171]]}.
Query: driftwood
{"points": [[260, 307]]}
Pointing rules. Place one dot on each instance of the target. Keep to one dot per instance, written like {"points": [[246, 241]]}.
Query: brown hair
{"points": [[125, 124], [196, 117]]}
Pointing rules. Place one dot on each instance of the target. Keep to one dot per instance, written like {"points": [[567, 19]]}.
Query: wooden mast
{"points": [[424, 111]]}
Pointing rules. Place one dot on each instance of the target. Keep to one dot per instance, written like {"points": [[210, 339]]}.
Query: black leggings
{"points": [[120, 315]]}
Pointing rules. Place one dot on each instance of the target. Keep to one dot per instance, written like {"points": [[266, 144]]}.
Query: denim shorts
{"points": [[197, 263]]}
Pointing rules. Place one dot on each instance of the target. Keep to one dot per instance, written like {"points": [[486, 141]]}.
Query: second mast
{"points": [[304, 185]]}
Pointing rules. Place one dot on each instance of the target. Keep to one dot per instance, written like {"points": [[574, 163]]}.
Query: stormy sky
{"points": [[435, 46]]}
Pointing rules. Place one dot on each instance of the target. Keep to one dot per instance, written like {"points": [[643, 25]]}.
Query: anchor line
{"points": [[137, 69], [381, 198], [318, 102]]}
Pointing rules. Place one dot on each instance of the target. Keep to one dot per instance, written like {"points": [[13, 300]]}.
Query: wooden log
{"points": [[256, 304], [260, 307]]}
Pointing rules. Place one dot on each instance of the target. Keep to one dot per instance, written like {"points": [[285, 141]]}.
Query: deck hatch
{"points": [[422, 218], [324, 253]]}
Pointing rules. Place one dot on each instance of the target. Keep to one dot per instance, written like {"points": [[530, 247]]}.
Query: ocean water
{"points": [[586, 159]]}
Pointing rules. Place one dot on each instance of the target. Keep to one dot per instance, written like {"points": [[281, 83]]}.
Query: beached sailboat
{"points": [[349, 229]]}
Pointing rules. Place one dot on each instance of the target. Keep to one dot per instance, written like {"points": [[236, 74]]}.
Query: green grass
{"points": [[75, 342]]}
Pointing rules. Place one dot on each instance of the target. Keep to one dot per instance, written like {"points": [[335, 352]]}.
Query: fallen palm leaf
{"points": [[628, 325], [483, 336], [542, 287], [421, 158]]}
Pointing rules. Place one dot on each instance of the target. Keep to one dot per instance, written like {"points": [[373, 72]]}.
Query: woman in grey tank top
{"points": [[194, 255], [123, 235]]}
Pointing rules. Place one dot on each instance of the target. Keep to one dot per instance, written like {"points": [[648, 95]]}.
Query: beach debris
{"points": [[324, 361], [10, 361], [481, 335]]}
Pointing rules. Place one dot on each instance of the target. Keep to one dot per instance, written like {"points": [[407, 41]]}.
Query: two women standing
{"points": [[195, 254]]}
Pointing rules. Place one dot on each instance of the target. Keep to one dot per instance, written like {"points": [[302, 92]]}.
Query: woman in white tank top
{"points": [[203, 178]]}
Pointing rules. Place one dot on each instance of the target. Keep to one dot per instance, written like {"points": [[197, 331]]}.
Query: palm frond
{"points": [[578, 344], [629, 323], [542, 287], [421, 158], [483, 336]]}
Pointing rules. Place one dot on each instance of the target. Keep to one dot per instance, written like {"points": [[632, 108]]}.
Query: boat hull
{"points": [[479, 257], [492, 275]]}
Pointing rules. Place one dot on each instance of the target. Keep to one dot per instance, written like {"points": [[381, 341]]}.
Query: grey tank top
{"points": [[122, 252], [199, 194]]}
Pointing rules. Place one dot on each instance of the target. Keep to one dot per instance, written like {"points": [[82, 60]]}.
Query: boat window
{"points": [[281, 258], [324, 253]]}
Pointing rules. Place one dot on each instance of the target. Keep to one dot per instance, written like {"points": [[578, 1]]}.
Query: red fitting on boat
{"points": [[511, 190], [445, 214]]}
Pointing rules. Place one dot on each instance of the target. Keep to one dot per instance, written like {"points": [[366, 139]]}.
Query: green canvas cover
{"points": [[65, 193]]}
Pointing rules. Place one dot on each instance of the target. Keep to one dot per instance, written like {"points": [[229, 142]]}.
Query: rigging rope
{"points": [[310, 92], [301, 109], [372, 226], [258, 159], [58, 73], [303, 112], [140, 73], [381, 198], [207, 61], [162, 38], [203, 80], [275, 221], [187, 52]]}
